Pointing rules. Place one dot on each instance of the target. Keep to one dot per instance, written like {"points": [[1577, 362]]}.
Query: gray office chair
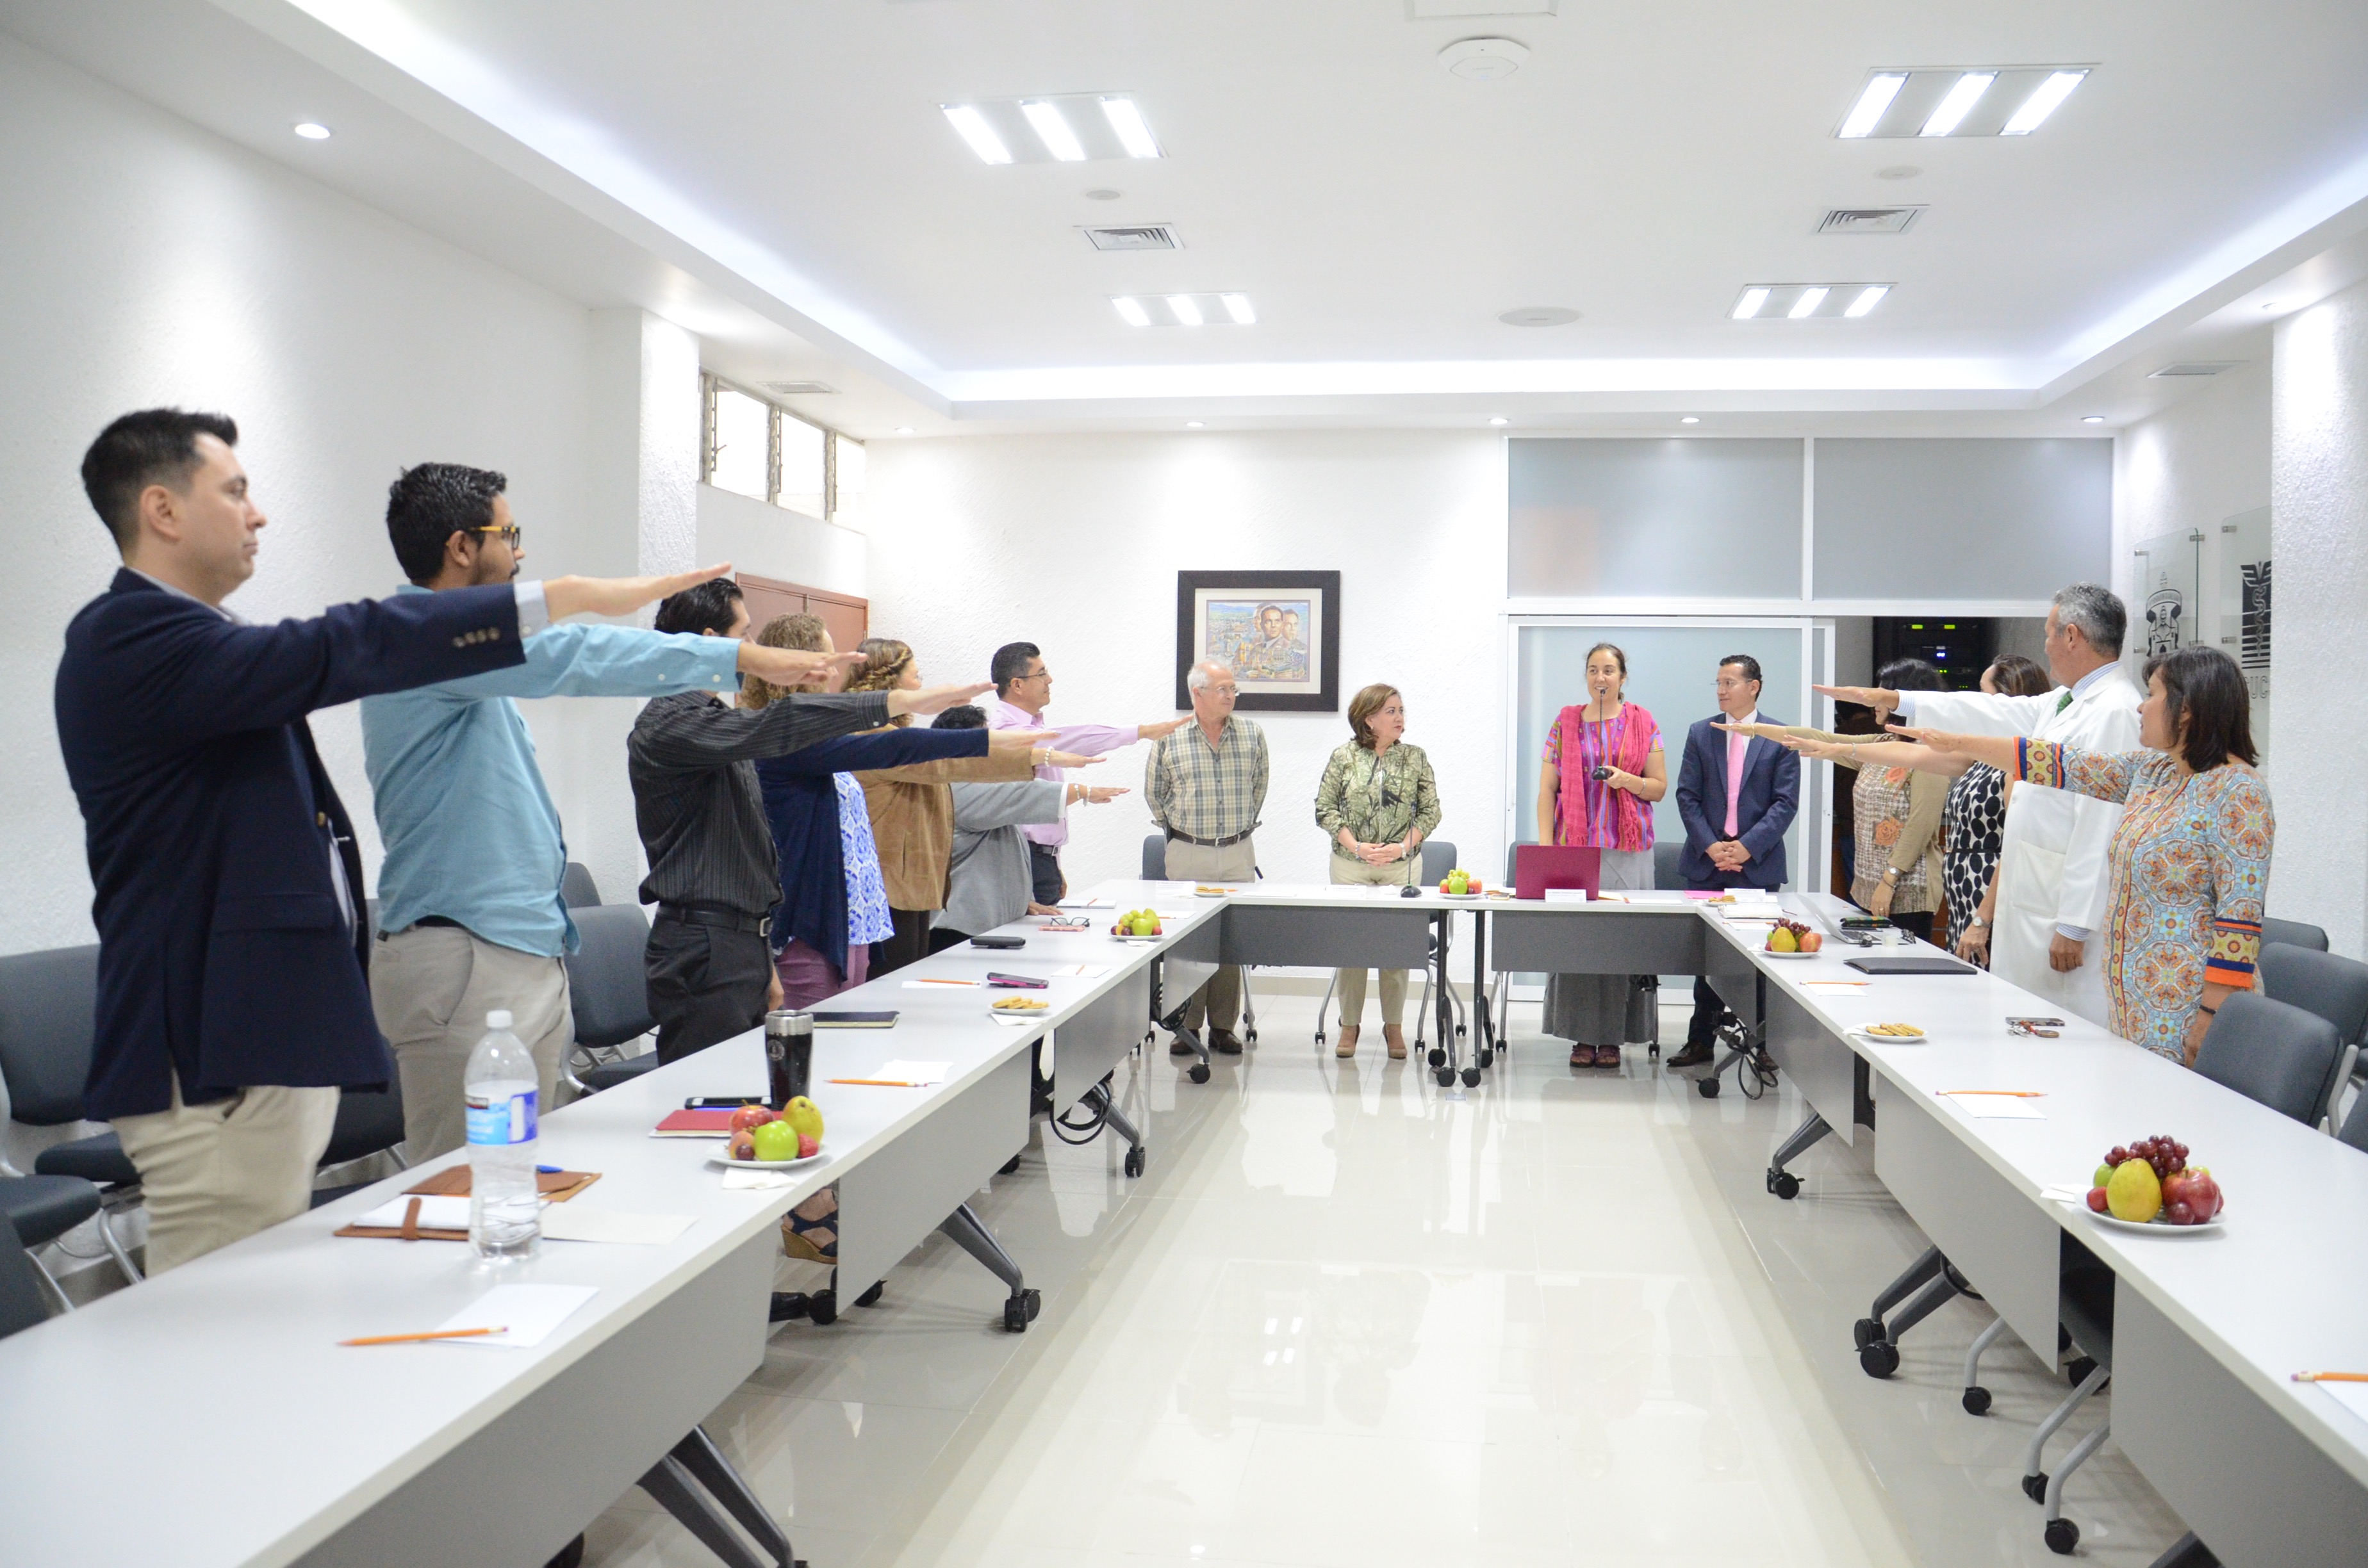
{"points": [[2354, 1130], [367, 1123], [2271, 1052], [609, 990], [48, 1005], [576, 887], [2294, 934], [2334, 987], [1154, 870], [1667, 856], [20, 1284], [1438, 858], [42, 1209]]}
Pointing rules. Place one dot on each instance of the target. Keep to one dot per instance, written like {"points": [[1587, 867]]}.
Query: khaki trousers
{"points": [[1219, 1001], [431, 987], [1396, 874], [217, 1172]]}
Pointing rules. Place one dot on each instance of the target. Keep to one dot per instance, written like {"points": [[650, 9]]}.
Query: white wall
{"points": [[2199, 462], [2319, 546], [148, 262], [1074, 543], [772, 541]]}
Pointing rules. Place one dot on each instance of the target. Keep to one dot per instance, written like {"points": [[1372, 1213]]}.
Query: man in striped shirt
{"points": [[1205, 784]]}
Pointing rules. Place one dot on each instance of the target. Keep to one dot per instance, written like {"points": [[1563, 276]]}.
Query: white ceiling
{"points": [[776, 173]]}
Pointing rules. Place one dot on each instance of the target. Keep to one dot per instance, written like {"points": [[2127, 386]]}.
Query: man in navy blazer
{"points": [[232, 1002], [1738, 795]]}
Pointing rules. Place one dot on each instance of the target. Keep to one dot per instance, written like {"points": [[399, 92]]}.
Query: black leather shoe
{"points": [[1177, 1047], [1223, 1042], [1697, 1053], [789, 1306]]}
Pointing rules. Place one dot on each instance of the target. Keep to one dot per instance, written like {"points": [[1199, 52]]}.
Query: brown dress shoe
{"points": [[1693, 1055], [1224, 1043]]}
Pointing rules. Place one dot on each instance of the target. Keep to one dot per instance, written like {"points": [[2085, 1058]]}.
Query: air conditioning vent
{"points": [[2194, 368], [799, 389], [1137, 236], [1869, 220]]}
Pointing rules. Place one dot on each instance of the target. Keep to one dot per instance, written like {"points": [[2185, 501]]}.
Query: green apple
{"points": [[776, 1141]]}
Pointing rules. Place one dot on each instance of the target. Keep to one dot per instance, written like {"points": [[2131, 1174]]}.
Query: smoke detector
{"points": [[1484, 59]]}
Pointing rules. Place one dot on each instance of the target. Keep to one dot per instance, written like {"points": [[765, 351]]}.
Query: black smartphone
{"points": [[721, 1102], [998, 941], [1014, 982]]}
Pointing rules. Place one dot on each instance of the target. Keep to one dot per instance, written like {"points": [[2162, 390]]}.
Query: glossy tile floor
{"points": [[1350, 1318]]}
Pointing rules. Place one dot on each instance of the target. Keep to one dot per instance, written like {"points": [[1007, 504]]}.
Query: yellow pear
{"points": [[805, 1115], [1783, 941], [2134, 1194]]}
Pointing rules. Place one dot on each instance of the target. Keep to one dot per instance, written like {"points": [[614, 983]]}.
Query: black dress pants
{"points": [[705, 983], [910, 944], [1047, 884]]}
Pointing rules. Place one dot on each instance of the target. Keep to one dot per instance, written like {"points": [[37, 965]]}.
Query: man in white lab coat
{"points": [[2051, 869]]}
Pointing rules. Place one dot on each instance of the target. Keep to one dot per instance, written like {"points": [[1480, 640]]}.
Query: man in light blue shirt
{"points": [[470, 914]]}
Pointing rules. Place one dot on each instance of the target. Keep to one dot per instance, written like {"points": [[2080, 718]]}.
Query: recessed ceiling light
{"points": [[1539, 316], [1053, 132], [904, 429], [1131, 310], [1872, 99], [1749, 306], [1959, 103], [2092, 419], [1806, 305], [1133, 132], [974, 129], [1499, 419], [1691, 419], [1805, 302], [1230, 308], [1484, 59], [1194, 425], [1238, 307], [1186, 307], [1102, 195], [312, 130], [2043, 102], [1868, 297]]}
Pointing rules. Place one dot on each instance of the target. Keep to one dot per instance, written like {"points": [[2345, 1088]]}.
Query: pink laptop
{"points": [[1537, 867]]}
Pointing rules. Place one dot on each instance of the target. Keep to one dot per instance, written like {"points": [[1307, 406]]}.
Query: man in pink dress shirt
{"points": [[1023, 688]]}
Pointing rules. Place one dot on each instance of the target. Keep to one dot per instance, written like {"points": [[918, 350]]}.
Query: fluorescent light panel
{"points": [[1131, 311], [1238, 307], [1868, 297], [1053, 132], [2043, 101], [1807, 302], [1881, 88], [1185, 309], [1806, 305], [1749, 306], [973, 128], [1232, 307], [1959, 103], [1055, 128]]}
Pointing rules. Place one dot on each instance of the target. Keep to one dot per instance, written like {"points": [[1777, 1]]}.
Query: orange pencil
{"points": [[433, 1333], [2009, 1093], [882, 1083], [2331, 1377]]}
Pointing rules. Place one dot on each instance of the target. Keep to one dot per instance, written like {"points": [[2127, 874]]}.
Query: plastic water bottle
{"points": [[504, 1209]]}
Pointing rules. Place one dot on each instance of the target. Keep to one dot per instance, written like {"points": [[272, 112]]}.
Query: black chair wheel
{"points": [[1485, 1056], [1250, 1036], [1015, 1316], [1654, 1050], [1134, 1161], [1035, 1299], [1707, 1088], [1446, 1076], [2062, 1535], [1784, 1184], [2035, 1487], [1007, 1167], [2078, 1373], [1472, 1077], [1977, 1400], [823, 1307], [1866, 1331], [1197, 1072], [1319, 1034], [1438, 1057], [1879, 1359], [871, 1298]]}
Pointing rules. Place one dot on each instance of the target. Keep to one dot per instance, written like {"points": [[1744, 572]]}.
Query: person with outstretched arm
{"points": [[234, 998]]}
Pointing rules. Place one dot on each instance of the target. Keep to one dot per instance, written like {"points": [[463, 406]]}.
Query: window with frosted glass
{"points": [[803, 488], [1655, 519], [1961, 517]]}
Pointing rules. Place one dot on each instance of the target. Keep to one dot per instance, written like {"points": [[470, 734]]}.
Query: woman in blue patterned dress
{"points": [[2190, 859]]}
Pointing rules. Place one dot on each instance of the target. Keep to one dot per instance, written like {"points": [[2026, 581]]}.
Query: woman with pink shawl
{"points": [[1603, 771]]}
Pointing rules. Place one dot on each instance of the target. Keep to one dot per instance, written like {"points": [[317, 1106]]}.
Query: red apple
{"points": [[2174, 1188], [750, 1115], [2179, 1214], [2097, 1199], [808, 1146], [1812, 940]]}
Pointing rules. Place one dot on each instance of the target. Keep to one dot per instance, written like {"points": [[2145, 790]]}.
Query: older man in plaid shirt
{"points": [[1206, 784]]}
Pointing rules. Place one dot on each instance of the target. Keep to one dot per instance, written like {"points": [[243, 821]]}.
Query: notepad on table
{"points": [[911, 1074], [696, 1124], [1996, 1107], [435, 1214], [527, 1312], [1079, 970], [2354, 1397], [569, 1222]]}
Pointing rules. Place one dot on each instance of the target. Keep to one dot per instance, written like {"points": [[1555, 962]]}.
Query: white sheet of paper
{"points": [[1081, 970], [435, 1214], [1085, 903], [570, 1222], [943, 984], [529, 1311], [1015, 1020], [2354, 1397], [1565, 895], [1997, 1107], [903, 1071], [739, 1177]]}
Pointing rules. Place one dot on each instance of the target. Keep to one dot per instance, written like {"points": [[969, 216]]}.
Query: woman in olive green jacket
{"points": [[1378, 801]]}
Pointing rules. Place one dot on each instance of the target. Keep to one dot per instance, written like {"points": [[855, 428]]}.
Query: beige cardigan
{"points": [[913, 819]]}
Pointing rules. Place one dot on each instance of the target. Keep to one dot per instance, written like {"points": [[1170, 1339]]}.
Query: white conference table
{"points": [[208, 1415]]}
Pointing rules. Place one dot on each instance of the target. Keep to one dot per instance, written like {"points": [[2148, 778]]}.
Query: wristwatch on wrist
{"points": [[1891, 873], [1976, 922]]}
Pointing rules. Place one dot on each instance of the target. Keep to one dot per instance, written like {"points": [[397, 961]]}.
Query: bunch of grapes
{"points": [[2164, 1153]]}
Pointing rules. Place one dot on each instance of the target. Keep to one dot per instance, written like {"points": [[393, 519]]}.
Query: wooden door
{"points": [[847, 619]]}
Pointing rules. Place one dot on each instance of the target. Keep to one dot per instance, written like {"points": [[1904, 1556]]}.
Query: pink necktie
{"points": [[1736, 746]]}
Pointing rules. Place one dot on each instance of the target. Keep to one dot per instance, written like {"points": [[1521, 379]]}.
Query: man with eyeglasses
{"points": [[471, 916], [1206, 785], [1023, 690]]}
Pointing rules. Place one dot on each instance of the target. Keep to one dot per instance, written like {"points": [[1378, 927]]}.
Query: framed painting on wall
{"points": [[1280, 630]]}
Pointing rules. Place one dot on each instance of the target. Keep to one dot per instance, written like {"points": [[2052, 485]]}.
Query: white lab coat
{"points": [[2052, 866]]}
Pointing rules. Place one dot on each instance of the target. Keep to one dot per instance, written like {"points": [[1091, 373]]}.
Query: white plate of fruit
{"points": [[1460, 883], [2150, 1185], [1792, 939], [763, 1140], [1139, 925]]}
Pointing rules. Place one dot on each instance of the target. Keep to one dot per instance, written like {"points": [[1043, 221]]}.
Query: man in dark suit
{"points": [[232, 1002], [1738, 795]]}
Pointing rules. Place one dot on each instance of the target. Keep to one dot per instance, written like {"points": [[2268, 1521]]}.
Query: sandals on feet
{"points": [[1348, 1046]]}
